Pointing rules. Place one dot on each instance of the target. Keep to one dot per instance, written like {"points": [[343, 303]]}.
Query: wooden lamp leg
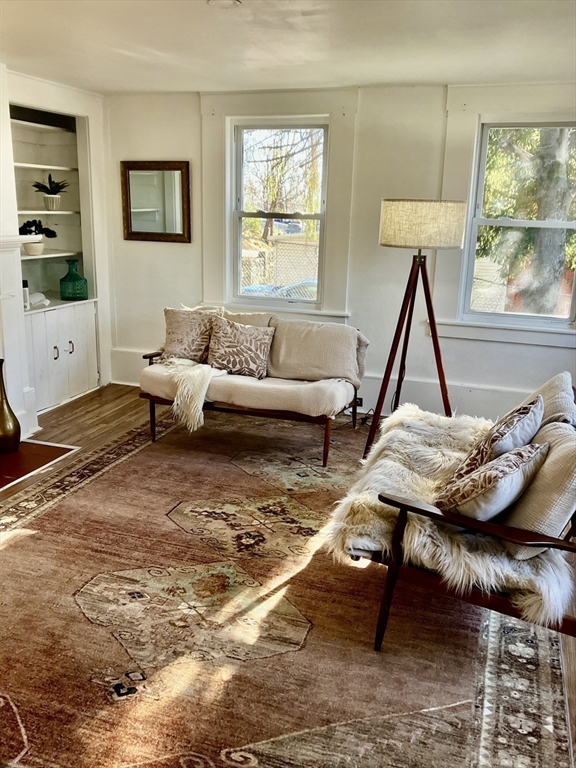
{"points": [[435, 341], [410, 291]]}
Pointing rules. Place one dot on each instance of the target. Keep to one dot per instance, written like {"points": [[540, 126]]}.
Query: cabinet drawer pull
{"points": [[71, 347], [56, 353]]}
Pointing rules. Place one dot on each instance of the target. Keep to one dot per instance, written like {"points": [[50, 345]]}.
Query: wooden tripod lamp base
{"points": [[433, 224]]}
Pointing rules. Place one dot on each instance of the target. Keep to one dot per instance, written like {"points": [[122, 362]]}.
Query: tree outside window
{"points": [[524, 233], [280, 211]]}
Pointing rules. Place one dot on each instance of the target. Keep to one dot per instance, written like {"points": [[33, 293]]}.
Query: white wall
{"points": [[149, 276], [405, 142]]}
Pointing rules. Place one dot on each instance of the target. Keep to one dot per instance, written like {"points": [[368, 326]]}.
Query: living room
{"points": [[405, 89]]}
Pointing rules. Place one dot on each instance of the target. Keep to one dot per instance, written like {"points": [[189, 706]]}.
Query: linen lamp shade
{"points": [[422, 223]]}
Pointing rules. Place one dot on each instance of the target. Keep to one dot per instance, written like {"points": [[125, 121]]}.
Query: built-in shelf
{"points": [[43, 167], [36, 126], [50, 254], [55, 303], [48, 213], [144, 210]]}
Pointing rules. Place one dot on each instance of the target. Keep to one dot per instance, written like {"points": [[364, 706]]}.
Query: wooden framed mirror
{"points": [[156, 200]]}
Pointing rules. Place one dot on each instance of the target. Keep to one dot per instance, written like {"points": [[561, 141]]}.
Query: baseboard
{"points": [[473, 399]]}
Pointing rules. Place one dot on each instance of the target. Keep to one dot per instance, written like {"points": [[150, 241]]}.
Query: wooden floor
{"points": [[96, 419]]}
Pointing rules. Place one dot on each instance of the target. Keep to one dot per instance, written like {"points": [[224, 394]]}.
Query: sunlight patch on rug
{"points": [[202, 612]]}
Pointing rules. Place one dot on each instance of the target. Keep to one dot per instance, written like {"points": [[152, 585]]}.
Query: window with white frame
{"points": [[279, 212], [521, 245]]}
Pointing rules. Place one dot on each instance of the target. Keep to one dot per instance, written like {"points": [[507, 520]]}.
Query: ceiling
{"points": [[188, 45]]}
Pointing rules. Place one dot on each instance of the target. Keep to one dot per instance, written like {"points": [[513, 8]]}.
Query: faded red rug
{"points": [[169, 605]]}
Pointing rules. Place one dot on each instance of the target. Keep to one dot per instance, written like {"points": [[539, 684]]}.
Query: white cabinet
{"points": [[62, 352]]}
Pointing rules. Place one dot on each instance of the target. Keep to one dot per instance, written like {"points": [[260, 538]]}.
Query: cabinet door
{"points": [[39, 352], [81, 350], [57, 323]]}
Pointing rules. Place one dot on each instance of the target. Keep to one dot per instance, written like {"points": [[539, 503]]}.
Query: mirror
{"points": [[156, 200]]}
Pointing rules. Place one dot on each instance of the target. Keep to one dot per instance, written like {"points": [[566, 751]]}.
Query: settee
{"points": [[478, 511], [312, 373]]}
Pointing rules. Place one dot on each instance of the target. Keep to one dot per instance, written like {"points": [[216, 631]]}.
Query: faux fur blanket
{"points": [[415, 455], [192, 381]]}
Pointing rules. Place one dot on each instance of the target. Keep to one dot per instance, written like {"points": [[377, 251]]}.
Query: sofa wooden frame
{"points": [[325, 421], [397, 570]]}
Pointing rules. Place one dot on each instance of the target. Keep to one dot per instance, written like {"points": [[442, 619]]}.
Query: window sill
{"points": [[509, 334], [288, 309]]}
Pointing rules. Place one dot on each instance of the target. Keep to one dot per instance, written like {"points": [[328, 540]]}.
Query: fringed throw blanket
{"points": [[415, 456], [192, 381]]}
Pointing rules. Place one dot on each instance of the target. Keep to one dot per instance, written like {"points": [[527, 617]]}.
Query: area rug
{"points": [[170, 605]]}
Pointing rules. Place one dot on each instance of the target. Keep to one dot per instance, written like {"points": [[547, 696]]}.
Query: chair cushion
{"points": [[488, 490], [548, 504], [259, 319], [312, 351], [317, 398], [558, 398], [238, 348], [514, 430], [187, 334]]}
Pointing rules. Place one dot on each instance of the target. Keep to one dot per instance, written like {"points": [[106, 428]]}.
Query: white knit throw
{"points": [[192, 381]]}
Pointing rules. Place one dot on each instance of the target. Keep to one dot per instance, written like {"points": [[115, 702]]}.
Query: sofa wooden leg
{"points": [[153, 420], [391, 578], [355, 411], [327, 427]]}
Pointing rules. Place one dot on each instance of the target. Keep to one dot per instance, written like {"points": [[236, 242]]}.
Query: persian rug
{"points": [[170, 605]]}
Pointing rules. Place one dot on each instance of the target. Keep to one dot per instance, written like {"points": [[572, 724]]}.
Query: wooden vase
{"points": [[9, 424]]}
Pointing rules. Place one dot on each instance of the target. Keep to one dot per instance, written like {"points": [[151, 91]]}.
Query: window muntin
{"points": [[280, 205], [522, 240]]}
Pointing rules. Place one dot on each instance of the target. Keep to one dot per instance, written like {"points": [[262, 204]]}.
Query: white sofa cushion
{"points": [[312, 398], [558, 397], [317, 398], [311, 351]]}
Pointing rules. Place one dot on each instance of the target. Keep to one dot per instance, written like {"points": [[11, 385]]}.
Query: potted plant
{"points": [[51, 191], [35, 227]]}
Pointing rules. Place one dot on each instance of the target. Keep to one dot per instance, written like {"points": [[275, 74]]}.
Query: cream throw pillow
{"points": [[312, 351], [549, 502], [515, 429], [490, 489], [238, 348], [187, 334], [558, 398]]}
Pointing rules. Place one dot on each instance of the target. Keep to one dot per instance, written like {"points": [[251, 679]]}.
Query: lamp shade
{"points": [[422, 223]]}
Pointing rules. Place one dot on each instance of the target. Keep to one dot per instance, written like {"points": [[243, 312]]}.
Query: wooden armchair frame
{"points": [[397, 570], [325, 421]]}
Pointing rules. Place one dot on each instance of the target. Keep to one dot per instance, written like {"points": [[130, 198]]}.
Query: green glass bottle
{"points": [[73, 287]]}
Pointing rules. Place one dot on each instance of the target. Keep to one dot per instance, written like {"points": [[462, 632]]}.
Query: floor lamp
{"points": [[430, 224]]}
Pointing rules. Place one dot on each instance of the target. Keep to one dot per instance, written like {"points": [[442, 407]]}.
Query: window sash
{"points": [[238, 214], [476, 220]]}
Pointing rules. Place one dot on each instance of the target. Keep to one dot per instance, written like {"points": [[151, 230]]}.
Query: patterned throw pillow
{"points": [[515, 429], [187, 334], [492, 488], [238, 348]]}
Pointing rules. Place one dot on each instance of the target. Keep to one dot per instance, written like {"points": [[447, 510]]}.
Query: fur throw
{"points": [[415, 455]]}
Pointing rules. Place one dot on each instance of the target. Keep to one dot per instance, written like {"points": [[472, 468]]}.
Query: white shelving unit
{"points": [[61, 338]]}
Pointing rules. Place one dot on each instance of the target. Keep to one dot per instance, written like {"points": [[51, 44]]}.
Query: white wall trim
{"points": [[534, 337]]}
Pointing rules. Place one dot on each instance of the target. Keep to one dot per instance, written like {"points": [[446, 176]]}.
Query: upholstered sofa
{"points": [[313, 373]]}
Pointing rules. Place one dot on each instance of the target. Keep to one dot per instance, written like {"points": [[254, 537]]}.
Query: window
{"points": [[280, 201], [522, 240]]}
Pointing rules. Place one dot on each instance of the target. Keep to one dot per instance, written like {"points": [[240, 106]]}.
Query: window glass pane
{"points": [[524, 270], [530, 174], [280, 258], [282, 169]]}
